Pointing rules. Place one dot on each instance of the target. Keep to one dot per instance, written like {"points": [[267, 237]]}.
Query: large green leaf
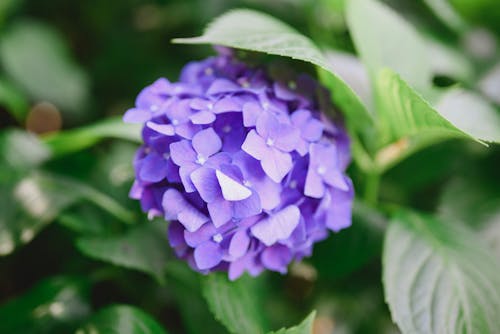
{"points": [[144, 248], [439, 278], [235, 304], [251, 30], [305, 327], [409, 120], [470, 113], [78, 139], [52, 306], [36, 57], [121, 319], [384, 39]]}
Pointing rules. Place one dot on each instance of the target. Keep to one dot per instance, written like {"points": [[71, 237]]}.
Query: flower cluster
{"points": [[247, 170]]}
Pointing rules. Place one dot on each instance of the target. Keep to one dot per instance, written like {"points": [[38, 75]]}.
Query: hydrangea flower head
{"points": [[248, 170]]}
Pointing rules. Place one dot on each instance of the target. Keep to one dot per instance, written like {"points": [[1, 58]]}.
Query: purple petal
{"points": [[203, 117], [251, 112], [227, 104], [277, 258], [231, 189], [207, 143], [200, 104], [203, 234], [182, 153], [284, 93], [137, 115], [247, 207], [166, 129], [207, 255], [221, 212], [206, 183], [276, 164], [185, 175], [173, 203], [335, 178], [314, 186], [255, 145], [222, 86], [239, 244], [278, 226], [187, 130], [286, 137], [178, 111], [136, 190], [175, 234], [191, 218], [313, 130], [154, 168]]}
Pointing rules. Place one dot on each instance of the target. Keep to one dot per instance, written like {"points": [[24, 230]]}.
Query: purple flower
{"points": [[248, 170]]}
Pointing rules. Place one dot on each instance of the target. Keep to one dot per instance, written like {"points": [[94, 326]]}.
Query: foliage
{"points": [[77, 255]]}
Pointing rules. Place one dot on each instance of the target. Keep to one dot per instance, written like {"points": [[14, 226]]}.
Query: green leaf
{"points": [[29, 205], [305, 327], [470, 113], [384, 39], [78, 139], [144, 248], [33, 202], [36, 57], [121, 319], [234, 304], [20, 151], [405, 115], [255, 31], [350, 249], [13, 100], [439, 278], [52, 305]]}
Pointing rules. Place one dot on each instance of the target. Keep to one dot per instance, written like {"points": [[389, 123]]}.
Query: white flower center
{"points": [[210, 106], [209, 71], [217, 238], [200, 159], [227, 128], [175, 122], [153, 107], [265, 105], [247, 183], [293, 184], [166, 156], [269, 142], [321, 170]]}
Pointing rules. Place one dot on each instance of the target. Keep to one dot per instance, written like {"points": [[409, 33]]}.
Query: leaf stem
{"points": [[372, 187]]}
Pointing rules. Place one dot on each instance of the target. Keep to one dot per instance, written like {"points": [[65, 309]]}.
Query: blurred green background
{"points": [[67, 64]]}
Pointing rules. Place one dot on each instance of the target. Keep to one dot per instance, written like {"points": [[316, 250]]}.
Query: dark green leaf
{"points": [[13, 100], [251, 30], [36, 200], [36, 57], [234, 304], [350, 249], [78, 139], [121, 319], [51, 305], [144, 247], [30, 204], [305, 327], [439, 278]]}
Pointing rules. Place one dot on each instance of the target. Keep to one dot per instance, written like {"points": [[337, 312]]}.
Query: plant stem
{"points": [[372, 188]]}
